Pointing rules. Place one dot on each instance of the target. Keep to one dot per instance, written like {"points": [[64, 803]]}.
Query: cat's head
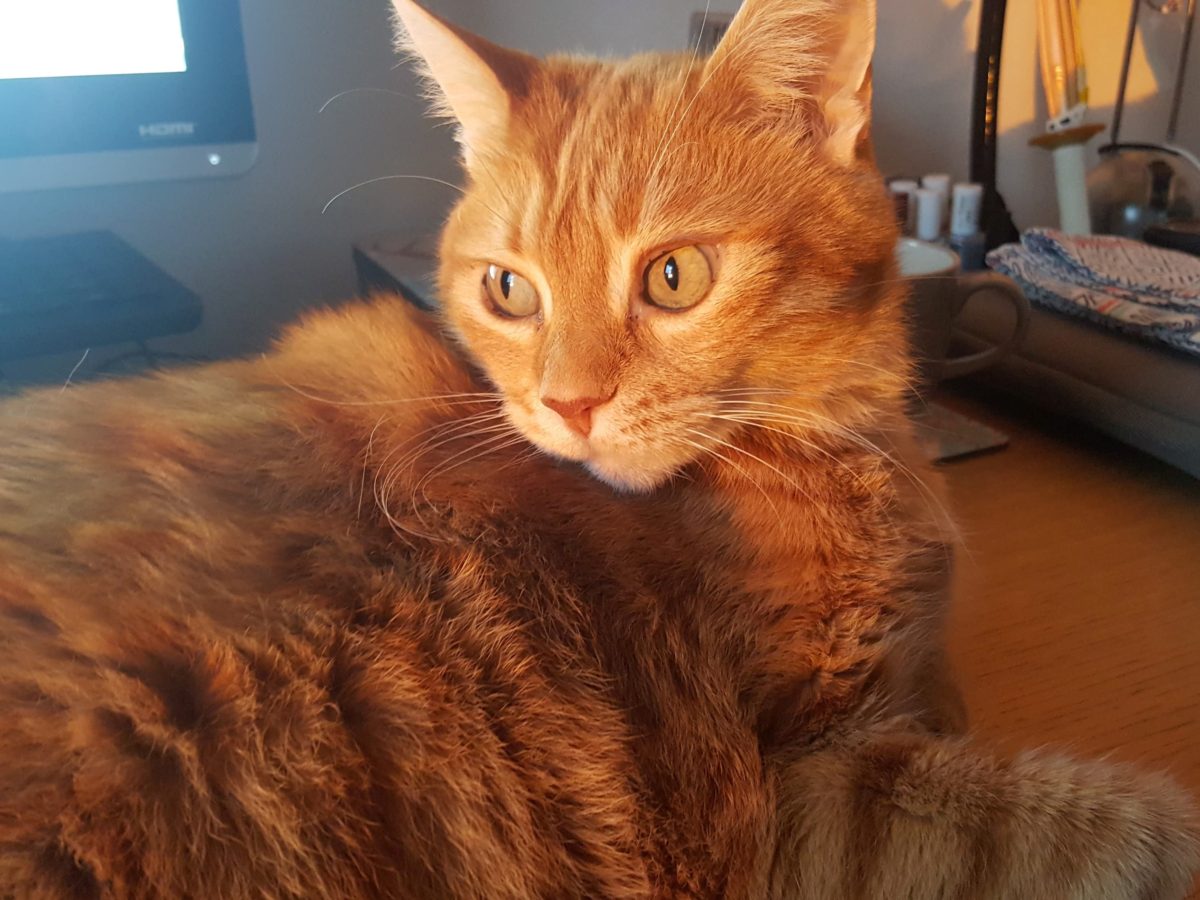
{"points": [[650, 252]]}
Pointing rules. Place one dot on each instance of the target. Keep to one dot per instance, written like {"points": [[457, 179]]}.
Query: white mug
{"points": [[938, 291]]}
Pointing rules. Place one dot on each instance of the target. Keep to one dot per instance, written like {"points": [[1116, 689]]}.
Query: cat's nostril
{"points": [[577, 413]]}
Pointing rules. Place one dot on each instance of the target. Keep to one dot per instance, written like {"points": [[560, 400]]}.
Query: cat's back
{"points": [[194, 467], [141, 529], [100, 458], [224, 674]]}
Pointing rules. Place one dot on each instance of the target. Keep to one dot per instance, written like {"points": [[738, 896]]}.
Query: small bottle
{"points": [[940, 182], [965, 237], [929, 214], [906, 188]]}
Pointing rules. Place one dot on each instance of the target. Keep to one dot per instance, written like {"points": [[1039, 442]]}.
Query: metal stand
{"points": [[997, 222]]}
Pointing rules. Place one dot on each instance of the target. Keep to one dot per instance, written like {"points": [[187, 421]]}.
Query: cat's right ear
{"points": [[472, 81]]}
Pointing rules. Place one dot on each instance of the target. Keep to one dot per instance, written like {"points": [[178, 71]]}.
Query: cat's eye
{"points": [[679, 279], [509, 294]]}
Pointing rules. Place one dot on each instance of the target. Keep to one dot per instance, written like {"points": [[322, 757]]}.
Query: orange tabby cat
{"points": [[636, 595]]}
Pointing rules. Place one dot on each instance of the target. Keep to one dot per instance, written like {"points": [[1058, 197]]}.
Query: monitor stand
{"points": [[87, 290]]}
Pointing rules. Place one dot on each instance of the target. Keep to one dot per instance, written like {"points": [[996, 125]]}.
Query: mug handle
{"points": [[970, 284]]}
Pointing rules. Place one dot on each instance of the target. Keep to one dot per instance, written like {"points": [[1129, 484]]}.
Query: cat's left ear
{"points": [[472, 81], [806, 58]]}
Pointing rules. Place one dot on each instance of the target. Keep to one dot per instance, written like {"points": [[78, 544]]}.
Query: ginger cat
{"points": [[622, 580]]}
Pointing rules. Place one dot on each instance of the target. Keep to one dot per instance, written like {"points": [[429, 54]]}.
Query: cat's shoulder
{"points": [[326, 384], [378, 350]]}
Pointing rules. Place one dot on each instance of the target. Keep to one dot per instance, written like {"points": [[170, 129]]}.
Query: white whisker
{"points": [[746, 419], [683, 117], [754, 481], [67, 383], [752, 456], [358, 90], [460, 399], [683, 87], [463, 430], [336, 197], [387, 474], [495, 444], [362, 485], [814, 421], [444, 433]]}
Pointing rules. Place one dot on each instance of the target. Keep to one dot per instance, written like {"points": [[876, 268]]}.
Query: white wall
{"points": [[923, 74], [1025, 172]]}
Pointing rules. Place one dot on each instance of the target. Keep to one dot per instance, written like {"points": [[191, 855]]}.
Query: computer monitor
{"points": [[105, 91]]}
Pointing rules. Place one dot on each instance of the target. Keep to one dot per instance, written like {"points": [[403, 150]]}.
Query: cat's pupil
{"points": [[506, 283], [671, 274]]}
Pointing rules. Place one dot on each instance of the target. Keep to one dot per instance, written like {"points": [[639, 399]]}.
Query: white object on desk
{"points": [[402, 263], [1070, 177], [941, 183], [929, 214], [1070, 174]]}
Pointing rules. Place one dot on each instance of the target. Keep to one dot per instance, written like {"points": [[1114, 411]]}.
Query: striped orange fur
{"points": [[383, 615]]}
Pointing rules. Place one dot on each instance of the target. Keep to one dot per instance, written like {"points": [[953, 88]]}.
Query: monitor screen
{"points": [[120, 37], [121, 90]]}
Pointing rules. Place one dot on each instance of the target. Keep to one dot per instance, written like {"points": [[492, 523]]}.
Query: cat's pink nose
{"points": [[576, 413]]}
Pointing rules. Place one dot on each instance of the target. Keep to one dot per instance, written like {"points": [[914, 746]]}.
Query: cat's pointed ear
{"points": [[808, 58], [472, 81]]}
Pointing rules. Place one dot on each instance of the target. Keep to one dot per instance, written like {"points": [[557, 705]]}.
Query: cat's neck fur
{"points": [[840, 516], [382, 371]]}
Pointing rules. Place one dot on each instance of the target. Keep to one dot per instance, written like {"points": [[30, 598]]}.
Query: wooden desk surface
{"points": [[1077, 612]]}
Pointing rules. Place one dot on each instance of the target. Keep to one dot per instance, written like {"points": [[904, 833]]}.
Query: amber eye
{"points": [[509, 294], [679, 279]]}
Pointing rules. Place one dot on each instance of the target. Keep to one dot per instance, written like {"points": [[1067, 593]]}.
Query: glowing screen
{"points": [[61, 38]]}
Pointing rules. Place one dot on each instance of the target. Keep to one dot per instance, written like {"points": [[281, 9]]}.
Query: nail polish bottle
{"points": [[929, 214], [965, 237], [940, 182]]}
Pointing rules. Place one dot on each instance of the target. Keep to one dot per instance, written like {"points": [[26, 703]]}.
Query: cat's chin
{"points": [[625, 467], [628, 479]]}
